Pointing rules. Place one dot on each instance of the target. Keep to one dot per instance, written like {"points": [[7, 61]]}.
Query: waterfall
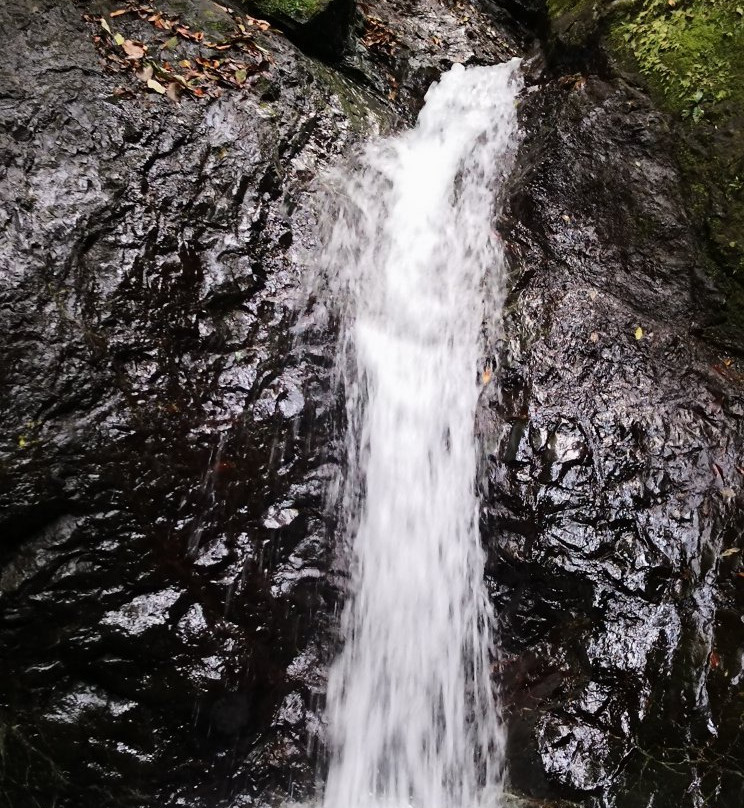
{"points": [[414, 273]]}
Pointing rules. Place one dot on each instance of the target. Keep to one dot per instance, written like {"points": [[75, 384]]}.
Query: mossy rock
{"points": [[298, 12], [319, 27], [690, 56], [572, 24], [201, 15]]}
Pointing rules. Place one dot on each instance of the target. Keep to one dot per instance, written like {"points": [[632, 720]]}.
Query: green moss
{"points": [[557, 8], [691, 55], [690, 52], [201, 15], [299, 11], [572, 21]]}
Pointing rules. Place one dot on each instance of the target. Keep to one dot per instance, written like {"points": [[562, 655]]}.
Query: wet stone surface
{"points": [[165, 597], [167, 577], [164, 449], [614, 506]]}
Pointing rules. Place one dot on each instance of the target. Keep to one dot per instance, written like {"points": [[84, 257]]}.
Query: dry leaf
{"points": [[172, 91], [731, 551], [638, 333], [157, 86], [132, 50], [145, 74]]}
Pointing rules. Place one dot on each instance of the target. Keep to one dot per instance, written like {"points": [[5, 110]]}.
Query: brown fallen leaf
{"points": [[119, 12], [145, 74], [172, 91], [133, 50]]}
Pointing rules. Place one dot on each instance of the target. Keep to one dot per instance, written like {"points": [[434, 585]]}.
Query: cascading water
{"points": [[412, 716]]}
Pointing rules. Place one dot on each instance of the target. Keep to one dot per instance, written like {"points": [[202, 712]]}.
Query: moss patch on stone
{"points": [[690, 55], [572, 22], [299, 11], [201, 15], [690, 51]]}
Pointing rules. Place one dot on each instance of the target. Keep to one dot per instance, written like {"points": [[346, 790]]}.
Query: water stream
{"points": [[415, 274]]}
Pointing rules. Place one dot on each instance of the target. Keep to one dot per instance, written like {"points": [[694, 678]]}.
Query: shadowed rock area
{"points": [[168, 582]]}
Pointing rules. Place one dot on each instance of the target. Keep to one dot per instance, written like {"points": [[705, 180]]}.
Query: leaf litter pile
{"points": [[176, 59]]}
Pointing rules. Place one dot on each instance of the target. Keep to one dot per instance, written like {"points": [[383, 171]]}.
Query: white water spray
{"points": [[412, 715]]}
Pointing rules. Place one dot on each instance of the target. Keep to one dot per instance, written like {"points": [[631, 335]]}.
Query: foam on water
{"points": [[415, 271]]}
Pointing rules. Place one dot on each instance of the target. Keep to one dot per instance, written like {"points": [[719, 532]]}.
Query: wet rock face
{"points": [[320, 27], [166, 605], [613, 511], [166, 585], [164, 446]]}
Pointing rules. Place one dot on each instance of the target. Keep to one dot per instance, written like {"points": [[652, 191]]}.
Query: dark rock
{"points": [[319, 27], [613, 498], [166, 597], [167, 589], [162, 459]]}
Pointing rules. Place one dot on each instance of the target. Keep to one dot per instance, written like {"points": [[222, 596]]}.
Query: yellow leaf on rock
{"points": [[156, 85], [639, 333]]}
